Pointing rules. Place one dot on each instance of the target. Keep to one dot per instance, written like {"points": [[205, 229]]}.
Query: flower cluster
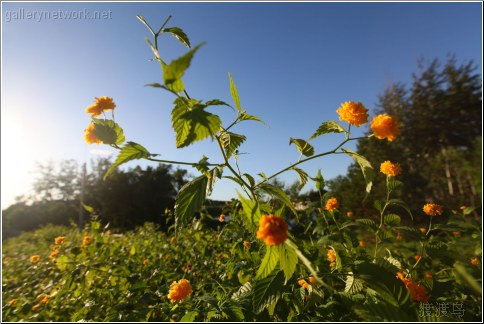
{"points": [[390, 169], [353, 113], [180, 290], [332, 204], [272, 229], [34, 258], [100, 105], [385, 126], [89, 136], [433, 209], [332, 258], [221, 218], [303, 283], [86, 240]]}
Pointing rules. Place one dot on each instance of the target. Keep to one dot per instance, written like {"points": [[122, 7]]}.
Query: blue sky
{"points": [[293, 64]]}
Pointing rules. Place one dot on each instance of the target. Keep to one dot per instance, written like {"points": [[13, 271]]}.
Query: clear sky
{"points": [[293, 64]]}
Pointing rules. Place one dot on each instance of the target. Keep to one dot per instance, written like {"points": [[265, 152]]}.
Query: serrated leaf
{"points": [[179, 34], [302, 146], [329, 126], [216, 102], [213, 176], [390, 264], [365, 167], [189, 316], [232, 310], [385, 236], [231, 141], [173, 72], [392, 220], [236, 180], [244, 291], [319, 180], [246, 116], [353, 285], [202, 165], [130, 151], [268, 290], [278, 193], [235, 94], [108, 131], [252, 213], [303, 176], [393, 184], [401, 203], [268, 263], [384, 313], [288, 260], [189, 200], [378, 205], [367, 222]]}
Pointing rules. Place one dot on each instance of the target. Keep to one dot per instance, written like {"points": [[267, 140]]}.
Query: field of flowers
{"points": [[265, 260]]}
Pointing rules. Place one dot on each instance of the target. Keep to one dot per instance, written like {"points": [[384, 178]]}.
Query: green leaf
{"points": [[384, 313], [108, 131], [389, 263], [392, 220], [216, 102], [251, 212], [393, 184], [153, 48], [268, 291], [232, 310], [230, 142], [192, 123], [368, 222], [385, 236], [88, 208], [62, 262], [401, 203], [303, 176], [202, 165], [353, 285], [245, 291], [328, 127], [236, 180], [213, 176], [278, 193], [189, 200], [468, 210], [173, 72], [288, 260], [302, 146], [319, 181], [130, 151], [378, 205], [245, 116], [142, 19], [268, 263], [189, 316], [179, 34], [365, 166], [235, 94]]}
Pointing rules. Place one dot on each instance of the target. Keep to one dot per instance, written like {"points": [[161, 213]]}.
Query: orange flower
{"points": [[390, 169], [353, 113], [303, 283], [222, 218], [417, 257], [456, 233], [145, 262], [180, 290], [417, 291], [362, 243], [332, 204], [423, 230], [312, 280], [332, 258], [100, 105], [349, 214], [399, 236], [34, 258], [86, 240], [89, 136], [45, 300], [247, 244], [428, 274], [54, 254], [13, 302], [433, 209], [272, 229], [385, 126], [474, 261], [173, 239], [463, 207], [35, 307], [59, 240]]}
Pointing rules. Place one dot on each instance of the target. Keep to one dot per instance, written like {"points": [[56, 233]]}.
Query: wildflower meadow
{"points": [[265, 260]]}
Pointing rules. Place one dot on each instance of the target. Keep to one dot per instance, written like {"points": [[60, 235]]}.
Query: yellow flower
{"points": [[332, 258], [332, 204], [145, 262], [86, 240], [54, 254], [312, 280], [474, 261], [173, 239], [59, 240], [34, 258], [180, 290], [390, 169], [272, 229], [100, 105], [433, 209], [222, 218], [463, 207], [423, 230], [353, 113], [385, 126], [303, 283], [13, 302], [362, 243], [89, 136], [35, 307], [247, 244]]}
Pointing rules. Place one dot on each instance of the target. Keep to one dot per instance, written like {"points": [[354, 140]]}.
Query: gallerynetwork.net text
{"points": [[40, 15]]}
